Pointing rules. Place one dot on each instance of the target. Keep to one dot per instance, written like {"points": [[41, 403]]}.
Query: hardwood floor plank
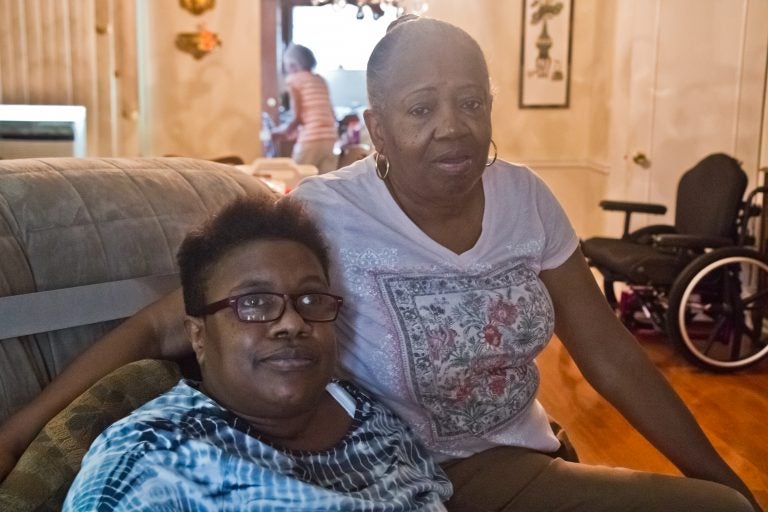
{"points": [[732, 409]]}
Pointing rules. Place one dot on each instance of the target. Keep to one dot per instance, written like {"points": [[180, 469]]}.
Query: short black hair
{"points": [[244, 220]]}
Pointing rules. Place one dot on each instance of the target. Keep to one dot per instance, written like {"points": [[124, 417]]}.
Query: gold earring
{"points": [[382, 175], [495, 154]]}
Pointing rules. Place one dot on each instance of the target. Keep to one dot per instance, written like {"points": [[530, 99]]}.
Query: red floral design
{"points": [[441, 340], [502, 312], [463, 390], [492, 335], [498, 385]]}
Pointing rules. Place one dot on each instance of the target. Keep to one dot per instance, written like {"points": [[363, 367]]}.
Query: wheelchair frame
{"points": [[716, 310]]}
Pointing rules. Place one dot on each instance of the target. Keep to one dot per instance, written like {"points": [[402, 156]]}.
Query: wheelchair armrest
{"points": [[624, 206], [691, 241], [645, 234], [628, 208]]}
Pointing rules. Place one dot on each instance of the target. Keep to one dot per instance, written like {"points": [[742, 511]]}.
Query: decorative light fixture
{"points": [[376, 6], [199, 43], [197, 7]]}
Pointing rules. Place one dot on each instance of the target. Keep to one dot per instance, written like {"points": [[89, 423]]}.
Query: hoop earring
{"points": [[382, 175], [495, 154]]}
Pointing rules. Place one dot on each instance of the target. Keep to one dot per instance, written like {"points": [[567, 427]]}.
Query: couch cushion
{"points": [[75, 221], [45, 471]]}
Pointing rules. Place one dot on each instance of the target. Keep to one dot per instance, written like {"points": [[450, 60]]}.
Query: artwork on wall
{"points": [[545, 54]]}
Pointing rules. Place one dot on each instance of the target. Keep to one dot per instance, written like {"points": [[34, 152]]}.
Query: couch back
{"points": [[73, 222]]}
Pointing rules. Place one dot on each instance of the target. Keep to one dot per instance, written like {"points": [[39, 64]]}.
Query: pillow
{"points": [[45, 471]]}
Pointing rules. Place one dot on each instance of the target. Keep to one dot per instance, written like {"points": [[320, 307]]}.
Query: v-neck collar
{"points": [[415, 232]]}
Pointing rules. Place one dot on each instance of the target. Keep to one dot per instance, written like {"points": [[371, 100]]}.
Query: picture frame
{"points": [[545, 53]]}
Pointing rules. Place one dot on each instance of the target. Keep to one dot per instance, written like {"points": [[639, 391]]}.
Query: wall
{"points": [[209, 107], [689, 79], [567, 147], [74, 52], [203, 108]]}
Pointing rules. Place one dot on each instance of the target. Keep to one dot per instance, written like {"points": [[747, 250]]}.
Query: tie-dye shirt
{"points": [[183, 451]]}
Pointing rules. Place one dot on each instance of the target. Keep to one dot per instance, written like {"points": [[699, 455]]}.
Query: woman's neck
{"points": [[456, 223], [318, 429]]}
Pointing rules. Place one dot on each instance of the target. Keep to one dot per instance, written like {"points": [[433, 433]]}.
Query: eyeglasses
{"points": [[268, 307]]}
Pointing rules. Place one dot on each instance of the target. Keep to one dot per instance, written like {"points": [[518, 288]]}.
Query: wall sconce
{"points": [[198, 44], [197, 7]]}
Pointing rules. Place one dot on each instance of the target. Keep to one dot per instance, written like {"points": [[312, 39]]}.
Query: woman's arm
{"points": [[613, 362], [288, 128], [154, 332]]}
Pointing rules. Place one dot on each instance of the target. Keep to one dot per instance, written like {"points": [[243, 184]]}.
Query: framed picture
{"points": [[545, 54]]}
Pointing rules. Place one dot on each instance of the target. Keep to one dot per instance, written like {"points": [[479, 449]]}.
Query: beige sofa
{"points": [[88, 241]]}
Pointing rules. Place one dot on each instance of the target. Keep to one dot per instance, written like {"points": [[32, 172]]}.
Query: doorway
{"points": [[341, 43], [696, 86]]}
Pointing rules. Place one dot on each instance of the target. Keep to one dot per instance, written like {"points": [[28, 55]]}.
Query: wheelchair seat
{"points": [[708, 202], [698, 279]]}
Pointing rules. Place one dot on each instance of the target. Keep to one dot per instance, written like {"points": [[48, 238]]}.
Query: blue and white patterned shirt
{"points": [[183, 451]]}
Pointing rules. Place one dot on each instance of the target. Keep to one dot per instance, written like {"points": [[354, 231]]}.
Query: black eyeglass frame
{"points": [[232, 302]]}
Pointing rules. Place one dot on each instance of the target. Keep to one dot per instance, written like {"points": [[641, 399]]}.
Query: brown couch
{"points": [[88, 241]]}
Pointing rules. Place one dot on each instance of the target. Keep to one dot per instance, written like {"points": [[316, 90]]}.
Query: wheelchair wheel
{"points": [[717, 311]]}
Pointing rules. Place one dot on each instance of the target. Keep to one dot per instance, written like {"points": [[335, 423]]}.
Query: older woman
{"points": [[452, 261], [458, 270]]}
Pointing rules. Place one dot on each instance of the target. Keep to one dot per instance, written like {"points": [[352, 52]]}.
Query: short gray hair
{"points": [[401, 30]]}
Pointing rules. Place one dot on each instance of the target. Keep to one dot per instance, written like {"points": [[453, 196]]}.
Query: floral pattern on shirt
{"points": [[468, 342]]}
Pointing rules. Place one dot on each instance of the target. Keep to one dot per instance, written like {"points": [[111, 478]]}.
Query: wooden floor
{"points": [[731, 408]]}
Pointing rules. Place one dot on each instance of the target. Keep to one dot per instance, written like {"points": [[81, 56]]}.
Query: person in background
{"points": [[457, 270], [313, 122], [267, 428]]}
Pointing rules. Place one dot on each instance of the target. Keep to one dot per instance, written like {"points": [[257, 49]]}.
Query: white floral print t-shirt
{"points": [[447, 340]]}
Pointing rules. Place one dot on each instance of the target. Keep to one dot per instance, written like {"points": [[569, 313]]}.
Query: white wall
{"points": [[201, 108], [567, 147]]}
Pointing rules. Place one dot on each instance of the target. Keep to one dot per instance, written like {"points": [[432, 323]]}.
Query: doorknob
{"points": [[641, 159]]}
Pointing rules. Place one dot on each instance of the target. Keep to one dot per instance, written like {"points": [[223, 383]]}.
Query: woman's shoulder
{"points": [[303, 77], [517, 177], [169, 410], [352, 180], [510, 170]]}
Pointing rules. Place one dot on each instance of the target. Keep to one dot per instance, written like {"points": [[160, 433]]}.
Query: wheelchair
{"points": [[702, 281]]}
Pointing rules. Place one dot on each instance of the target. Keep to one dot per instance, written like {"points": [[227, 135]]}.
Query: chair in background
{"points": [[281, 174], [700, 280], [351, 153], [229, 160]]}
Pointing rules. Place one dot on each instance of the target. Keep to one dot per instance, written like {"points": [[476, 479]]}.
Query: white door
{"points": [[696, 86]]}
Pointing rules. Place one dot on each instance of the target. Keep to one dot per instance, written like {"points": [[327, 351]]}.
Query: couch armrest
{"points": [[45, 471]]}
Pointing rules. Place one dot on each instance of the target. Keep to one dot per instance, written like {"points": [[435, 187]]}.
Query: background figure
{"points": [[313, 122]]}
